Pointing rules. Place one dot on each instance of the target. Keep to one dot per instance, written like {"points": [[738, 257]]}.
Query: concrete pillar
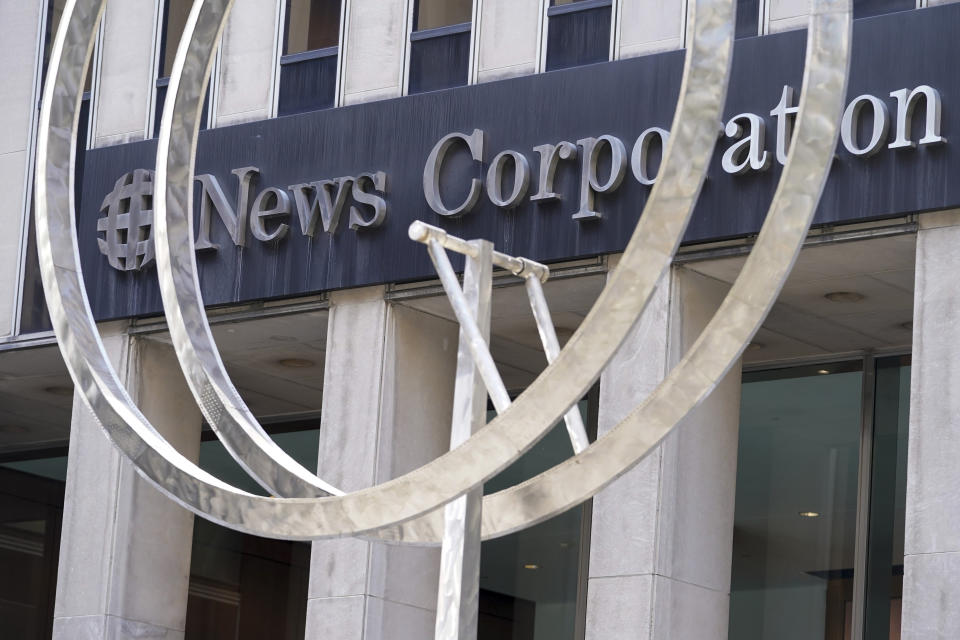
{"points": [[649, 26], [387, 403], [21, 30], [508, 38], [662, 535], [123, 106], [931, 583], [373, 52], [125, 556], [249, 53]]}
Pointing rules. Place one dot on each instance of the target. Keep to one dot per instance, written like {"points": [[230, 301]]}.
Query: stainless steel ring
{"points": [[420, 490], [176, 264]]}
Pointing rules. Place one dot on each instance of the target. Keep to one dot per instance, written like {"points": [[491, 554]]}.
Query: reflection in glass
{"points": [[796, 504], [530, 581], [243, 587], [888, 494], [175, 13], [31, 510], [432, 14], [312, 25]]}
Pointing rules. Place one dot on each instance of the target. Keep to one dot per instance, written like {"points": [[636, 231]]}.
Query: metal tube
{"points": [[551, 347], [459, 593], [477, 345], [522, 267]]}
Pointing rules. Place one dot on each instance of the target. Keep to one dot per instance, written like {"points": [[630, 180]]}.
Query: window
{"points": [[440, 45], [532, 583], [33, 311], [308, 67], [748, 18], [242, 586], [31, 510], [578, 32], [810, 465], [868, 8], [173, 22]]}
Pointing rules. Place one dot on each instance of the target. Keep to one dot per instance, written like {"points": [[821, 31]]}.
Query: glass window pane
{"points": [[442, 13], [311, 25], [31, 509], [868, 8], [796, 504], [888, 491], [529, 581], [579, 37], [242, 586], [174, 20], [54, 12]]}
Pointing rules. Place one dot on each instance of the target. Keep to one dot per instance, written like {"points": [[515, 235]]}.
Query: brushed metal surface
{"points": [[533, 413]]}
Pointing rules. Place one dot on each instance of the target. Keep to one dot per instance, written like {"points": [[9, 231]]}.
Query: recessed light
{"points": [[809, 514], [295, 363], [532, 567], [823, 372], [754, 346], [844, 296], [59, 391]]}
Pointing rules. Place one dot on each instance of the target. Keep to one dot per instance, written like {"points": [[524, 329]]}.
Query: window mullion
{"points": [[864, 479]]}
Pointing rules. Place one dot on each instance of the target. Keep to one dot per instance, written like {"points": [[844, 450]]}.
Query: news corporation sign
{"points": [[360, 203]]}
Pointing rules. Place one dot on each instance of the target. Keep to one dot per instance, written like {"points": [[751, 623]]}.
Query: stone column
{"points": [[125, 547], [931, 583], [662, 535], [248, 60], [508, 39], [649, 26], [373, 53], [123, 106], [387, 403], [20, 31]]}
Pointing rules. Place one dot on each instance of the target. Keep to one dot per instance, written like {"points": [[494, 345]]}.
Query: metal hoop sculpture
{"points": [[400, 501]]}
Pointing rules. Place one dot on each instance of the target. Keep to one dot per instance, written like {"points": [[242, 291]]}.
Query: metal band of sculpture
{"points": [[408, 509]]}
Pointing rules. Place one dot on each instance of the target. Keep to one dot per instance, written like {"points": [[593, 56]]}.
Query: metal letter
{"points": [[379, 180], [589, 182], [641, 151], [748, 153], [851, 117], [550, 156], [784, 114], [259, 214], [906, 103], [521, 180], [213, 196], [329, 208], [431, 173]]}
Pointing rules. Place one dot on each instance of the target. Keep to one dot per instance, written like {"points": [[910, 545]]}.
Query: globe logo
{"points": [[126, 240]]}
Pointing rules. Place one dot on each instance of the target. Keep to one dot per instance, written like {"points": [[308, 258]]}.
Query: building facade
{"points": [[813, 495]]}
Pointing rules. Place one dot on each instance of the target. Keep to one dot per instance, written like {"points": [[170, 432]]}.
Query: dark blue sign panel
{"points": [[620, 99]]}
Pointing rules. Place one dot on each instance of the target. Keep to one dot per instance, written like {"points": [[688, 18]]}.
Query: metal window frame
{"points": [[26, 197], [413, 35], [868, 372], [280, 58], [159, 50], [547, 10]]}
